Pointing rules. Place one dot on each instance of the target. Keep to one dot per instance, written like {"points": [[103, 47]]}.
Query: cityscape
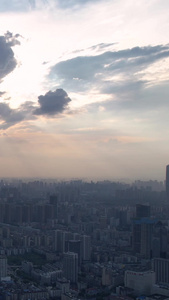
{"points": [[84, 240], [84, 150]]}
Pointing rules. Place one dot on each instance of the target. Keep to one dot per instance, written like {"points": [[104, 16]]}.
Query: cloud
{"points": [[98, 48], [52, 103], [74, 3], [27, 5], [7, 60], [15, 5], [11, 39], [133, 100], [93, 71], [9, 116], [1, 94], [101, 46]]}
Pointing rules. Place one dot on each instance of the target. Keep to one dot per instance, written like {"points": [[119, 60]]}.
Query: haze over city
{"points": [[84, 88]]}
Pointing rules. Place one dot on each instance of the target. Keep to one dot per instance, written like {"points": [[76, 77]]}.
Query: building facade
{"points": [[70, 266]]}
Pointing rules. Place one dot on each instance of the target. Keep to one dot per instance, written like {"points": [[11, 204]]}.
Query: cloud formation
{"points": [[9, 116], [74, 3], [7, 60], [2, 93], [27, 5], [84, 72], [52, 103], [13, 5]]}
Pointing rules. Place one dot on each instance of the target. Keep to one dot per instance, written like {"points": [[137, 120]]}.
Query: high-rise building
{"points": [[107, 276], [136, 236], [142, 235], [70, 266], [142, 231], [160, 240], [167, 181], [161, 267], [146, 238], [59, 241], [142, 211], [76, 247], [86, 247], [54, 201], [3, 267]]}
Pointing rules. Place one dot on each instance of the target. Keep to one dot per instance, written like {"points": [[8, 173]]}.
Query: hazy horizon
{"points": [[84, 89], [83, 179]]}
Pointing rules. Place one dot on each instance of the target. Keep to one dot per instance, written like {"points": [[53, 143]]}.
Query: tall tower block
{"points": [[167, 182]]}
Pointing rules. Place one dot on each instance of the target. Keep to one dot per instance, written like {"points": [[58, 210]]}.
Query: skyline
{"points": [[84, 89]]}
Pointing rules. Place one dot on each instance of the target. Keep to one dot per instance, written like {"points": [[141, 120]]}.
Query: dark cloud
{"points": [[1, 94], [27, 107], [7, 60], [9, 116], [52, 103], [82, 72]]}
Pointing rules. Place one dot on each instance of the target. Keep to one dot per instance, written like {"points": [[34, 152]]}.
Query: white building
{"points": [[141, 282]]}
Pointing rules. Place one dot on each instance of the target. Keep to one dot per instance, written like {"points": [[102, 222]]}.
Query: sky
{"points": [[84, 89]]}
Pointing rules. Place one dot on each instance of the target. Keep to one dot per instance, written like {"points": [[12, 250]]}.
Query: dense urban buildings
{"points": [[80, 240], [167, 181]]}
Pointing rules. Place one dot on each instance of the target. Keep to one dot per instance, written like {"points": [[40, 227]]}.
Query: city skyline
{"points": [[84, 89]]}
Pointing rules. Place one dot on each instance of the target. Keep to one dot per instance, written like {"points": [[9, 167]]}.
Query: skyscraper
{"points": [[167, 181], [142, 234], [86, 247], [161, 267], [3, 266], [76, 247], [59, 241], [70, 266], [142, 211]]}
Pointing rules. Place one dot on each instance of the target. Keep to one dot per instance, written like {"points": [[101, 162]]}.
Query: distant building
{"points": [[86, 247], [167, 181], [76, 247], [63, 284], [3, 267], [142, 211], [157, 296], [106, 276], [54, 202], [142, 234], [146, 238], [140, 282], [70, 266], [59, 241], [161, 267]]}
